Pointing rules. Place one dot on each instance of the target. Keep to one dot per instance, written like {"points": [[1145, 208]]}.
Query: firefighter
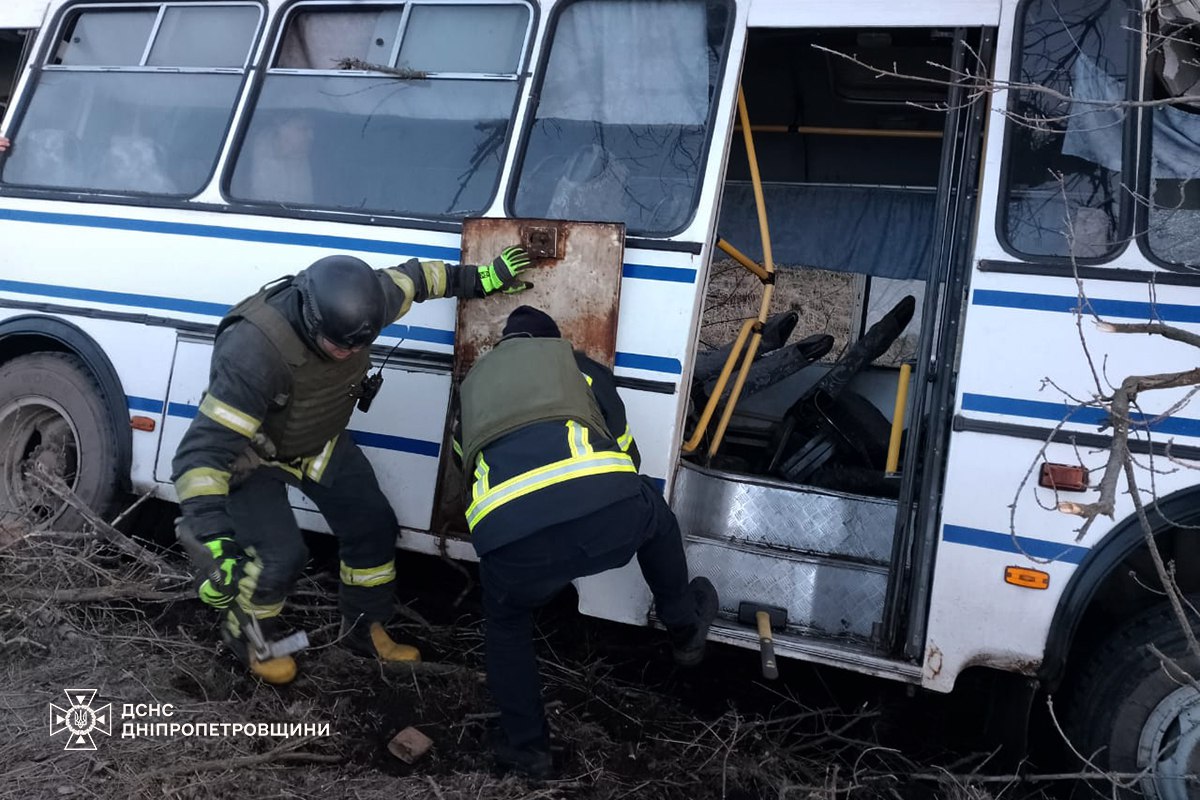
{"points": [[288, 366], [555, 496]]}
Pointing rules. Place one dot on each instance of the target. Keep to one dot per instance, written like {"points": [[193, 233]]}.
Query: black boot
{"points": [[532, 761], [687, 644]]}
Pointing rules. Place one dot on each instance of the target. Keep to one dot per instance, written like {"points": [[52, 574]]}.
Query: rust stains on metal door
{"points": [[576, 279]]}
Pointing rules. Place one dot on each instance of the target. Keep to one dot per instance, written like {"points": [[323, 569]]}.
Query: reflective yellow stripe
{"points": [[202, 482], [251, 569], [314, 467], [406, 287], [587, 378], [435, 277], [625, 439], [558, 472], [577, 439], [369, 576], [230, 417], [480, 487], [457, 448]]}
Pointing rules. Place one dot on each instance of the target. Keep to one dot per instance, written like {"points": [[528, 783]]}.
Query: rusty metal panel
{"points": [[576, 279]]}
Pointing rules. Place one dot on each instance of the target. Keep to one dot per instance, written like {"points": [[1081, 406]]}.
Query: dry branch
{"points": [[107, 532]]}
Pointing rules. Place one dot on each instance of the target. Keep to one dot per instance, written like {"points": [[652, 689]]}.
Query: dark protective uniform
{"points": [[275, 414], [554, 498]]}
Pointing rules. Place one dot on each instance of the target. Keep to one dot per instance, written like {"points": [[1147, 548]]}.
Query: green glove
{"points": [[219, 593], [502, 273]]}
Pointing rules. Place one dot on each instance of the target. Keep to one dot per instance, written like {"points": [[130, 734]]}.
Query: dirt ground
{"points": [[825, 302], [78, 613]]}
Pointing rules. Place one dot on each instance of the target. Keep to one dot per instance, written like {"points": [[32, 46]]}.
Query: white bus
{"points": [[169, 157]]}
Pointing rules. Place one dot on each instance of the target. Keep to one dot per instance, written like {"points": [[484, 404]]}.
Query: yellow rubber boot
{"points": [[276, 671], [386, 649]]}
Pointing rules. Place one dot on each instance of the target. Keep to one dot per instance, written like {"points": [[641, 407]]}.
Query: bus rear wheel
{"points": [[53, 423], [1136, 713]]}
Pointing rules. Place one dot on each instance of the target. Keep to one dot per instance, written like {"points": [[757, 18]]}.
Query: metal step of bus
{"points": [[823, 596], [725, 506]]}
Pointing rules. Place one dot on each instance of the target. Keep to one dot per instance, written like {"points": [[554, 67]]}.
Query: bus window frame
{"points": [[1145, 166], [236, 140], [38, 65], [1129, 155], [535, 101]]}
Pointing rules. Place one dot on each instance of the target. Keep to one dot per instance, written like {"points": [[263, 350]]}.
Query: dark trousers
{"points": [[355, 508], [523, 576]]}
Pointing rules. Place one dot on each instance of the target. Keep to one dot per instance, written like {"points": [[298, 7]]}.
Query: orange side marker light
{"points": [[1027, 578]]}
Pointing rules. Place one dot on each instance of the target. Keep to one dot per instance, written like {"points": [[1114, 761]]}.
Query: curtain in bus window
{"points": [[1173, 199], [424, 146], [471, 39], [1064, 160], [622, 118], [105, 119], [320, 40]]}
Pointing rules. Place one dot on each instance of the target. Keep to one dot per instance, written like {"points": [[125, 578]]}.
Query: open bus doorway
{"points": [[801, 505], [14, 51]]}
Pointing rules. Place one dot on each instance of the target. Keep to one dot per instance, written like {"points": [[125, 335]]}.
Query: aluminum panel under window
{"points": [[106, 38], [320, 39], [483, 39], [204, 36]]}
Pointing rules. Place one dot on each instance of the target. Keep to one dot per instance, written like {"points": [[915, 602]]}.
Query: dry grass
{"points": [[826, 302], [628, 725]]}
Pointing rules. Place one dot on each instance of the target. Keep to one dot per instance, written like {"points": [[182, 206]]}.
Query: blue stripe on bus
{"points": [[1127, 309], [144, 404], [1020, 545], [381, 441], [653, 363], [428, 251], [236, 234], [116, 298], [652, 273], [182, 410], [385, 441], [1039, 409]]}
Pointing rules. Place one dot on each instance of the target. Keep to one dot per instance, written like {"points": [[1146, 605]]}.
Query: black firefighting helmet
{"points": [[342, 301]]}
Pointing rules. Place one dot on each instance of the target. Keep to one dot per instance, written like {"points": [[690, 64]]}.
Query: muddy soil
{"points": [[626, 722]]}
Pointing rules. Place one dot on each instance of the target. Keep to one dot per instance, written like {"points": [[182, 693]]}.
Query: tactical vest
{"points": [[323, 393], [520, 382]]}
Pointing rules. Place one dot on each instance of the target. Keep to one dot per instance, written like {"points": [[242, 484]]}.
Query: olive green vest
{"points": [[520, 382], [323, 391]]}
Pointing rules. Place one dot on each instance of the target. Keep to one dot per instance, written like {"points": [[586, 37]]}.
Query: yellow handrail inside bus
{"points": [[893, 454], [768, 281], [691, 444], [743, 259]]}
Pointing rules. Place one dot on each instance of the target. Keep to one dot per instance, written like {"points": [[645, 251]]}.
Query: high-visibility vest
{"points": [[521, 382]]}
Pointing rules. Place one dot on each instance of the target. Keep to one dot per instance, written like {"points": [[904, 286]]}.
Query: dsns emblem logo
{"points": [[80, 719]]}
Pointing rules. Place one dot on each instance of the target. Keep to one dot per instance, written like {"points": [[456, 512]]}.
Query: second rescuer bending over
{"points": [[288, 367]]}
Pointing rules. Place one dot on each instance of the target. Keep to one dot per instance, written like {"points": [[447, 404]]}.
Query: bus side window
{"points": [[1064, 162], [134, 100], [620, 132], [427, 142]]}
